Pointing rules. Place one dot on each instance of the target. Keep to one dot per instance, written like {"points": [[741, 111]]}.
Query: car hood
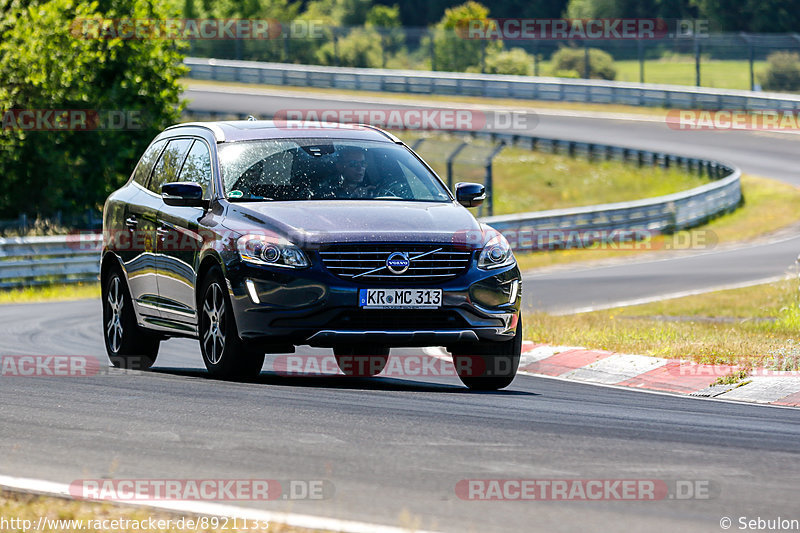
{"points": [[327, 221]]}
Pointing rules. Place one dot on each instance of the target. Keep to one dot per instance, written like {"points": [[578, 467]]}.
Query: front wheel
{"points": [[361, 360], [224, 353], [489, 366], [127, 345]]}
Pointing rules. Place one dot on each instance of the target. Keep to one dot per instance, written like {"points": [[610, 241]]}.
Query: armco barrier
{"points": [[488, 85], [26, 261]]}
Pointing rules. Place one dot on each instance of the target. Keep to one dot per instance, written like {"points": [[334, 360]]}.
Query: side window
{"points": [[147, 162], [197, 167], [170, 163]]}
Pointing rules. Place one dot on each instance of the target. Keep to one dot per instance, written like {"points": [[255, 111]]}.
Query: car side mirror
{"points": [[470, 194], [183, 194]]}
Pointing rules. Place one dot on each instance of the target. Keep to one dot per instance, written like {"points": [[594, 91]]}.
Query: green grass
{"points": [[49, 293], [769, 206], [680, 70], [753, 326], [525, 180]]}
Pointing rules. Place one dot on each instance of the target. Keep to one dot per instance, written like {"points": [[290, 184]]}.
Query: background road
{"points": [[768, 154], [393, 448]]}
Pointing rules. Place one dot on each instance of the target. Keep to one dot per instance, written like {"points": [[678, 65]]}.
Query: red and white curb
{"points": [[762, 385]]}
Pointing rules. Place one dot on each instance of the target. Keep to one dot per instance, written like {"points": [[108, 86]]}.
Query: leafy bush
{"points": [[601, 64], [452, 50], [515, 61], [783, 72], [360, 48]]}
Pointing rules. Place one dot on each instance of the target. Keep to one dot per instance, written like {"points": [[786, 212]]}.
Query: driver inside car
{"points": [[351, 163]]}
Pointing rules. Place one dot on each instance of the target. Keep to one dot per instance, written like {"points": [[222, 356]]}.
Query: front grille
{"points": [[397, 320], [351, 262]]}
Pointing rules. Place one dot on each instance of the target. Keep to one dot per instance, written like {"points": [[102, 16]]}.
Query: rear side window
{"points": [[170, 163], [147, 162], [197, 167]]}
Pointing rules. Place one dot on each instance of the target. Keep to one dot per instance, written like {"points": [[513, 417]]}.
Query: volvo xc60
{"points": [[255, 237]]}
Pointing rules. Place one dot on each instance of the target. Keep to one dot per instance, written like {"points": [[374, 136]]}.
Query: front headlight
{"points": [[496, 254], [262, 250]]}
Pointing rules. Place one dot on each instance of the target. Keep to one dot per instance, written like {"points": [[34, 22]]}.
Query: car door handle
{"points": [[163, 231], [131, 222]]}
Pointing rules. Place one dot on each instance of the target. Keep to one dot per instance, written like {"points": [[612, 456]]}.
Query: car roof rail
{"points": [[382, 132]]}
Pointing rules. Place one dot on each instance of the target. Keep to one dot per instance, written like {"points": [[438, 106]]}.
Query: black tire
{"points": [[489, 366], [361, 360], [127, 345], [224, 353]]}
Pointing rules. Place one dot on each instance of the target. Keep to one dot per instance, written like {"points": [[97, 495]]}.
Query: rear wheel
{"points": [[127, 345], [224, 353], [361, 360], [489, 365]]}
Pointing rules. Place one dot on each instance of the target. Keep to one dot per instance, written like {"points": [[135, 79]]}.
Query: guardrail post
{"points": [[450, 159], [697, 60], [488, 180]]}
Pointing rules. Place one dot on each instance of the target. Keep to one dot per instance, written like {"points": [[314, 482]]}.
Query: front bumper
{"points": [[312, 306]]}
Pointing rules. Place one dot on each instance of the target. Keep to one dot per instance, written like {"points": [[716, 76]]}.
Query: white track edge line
{"points": [[51, 488], [668, 296]]}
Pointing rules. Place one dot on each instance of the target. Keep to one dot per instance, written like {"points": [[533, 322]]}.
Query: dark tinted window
{"points": [[325, 169], [170, 163], [197, 167], [147, 162]]}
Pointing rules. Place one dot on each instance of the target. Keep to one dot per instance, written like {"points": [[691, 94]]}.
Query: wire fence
{"points": [[728, 61]]}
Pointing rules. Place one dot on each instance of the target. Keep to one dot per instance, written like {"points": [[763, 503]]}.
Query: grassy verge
{"points": [[28, 507], [536, 181], [769, 206], [753, 326], [49, 293]]}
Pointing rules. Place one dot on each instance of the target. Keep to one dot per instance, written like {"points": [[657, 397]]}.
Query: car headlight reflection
{"points": [[496, 254], [262, 250]]}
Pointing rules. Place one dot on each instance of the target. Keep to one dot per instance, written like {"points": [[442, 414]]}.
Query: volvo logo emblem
{"points": [[398, 263]]}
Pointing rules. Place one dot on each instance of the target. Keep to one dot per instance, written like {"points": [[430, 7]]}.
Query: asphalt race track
{"points": [[393, 448]]}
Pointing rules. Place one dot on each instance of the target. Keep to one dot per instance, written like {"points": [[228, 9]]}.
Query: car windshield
{"points": [[325, 169]]}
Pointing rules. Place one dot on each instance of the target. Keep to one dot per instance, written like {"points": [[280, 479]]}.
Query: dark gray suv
{"points": [[256, 238]]}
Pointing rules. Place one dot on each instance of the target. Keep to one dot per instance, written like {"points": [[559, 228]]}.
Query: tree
{"points": [[453, 50], [44, 65]]}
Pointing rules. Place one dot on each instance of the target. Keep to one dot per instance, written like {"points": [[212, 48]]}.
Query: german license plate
{"points": [[400, 298]]}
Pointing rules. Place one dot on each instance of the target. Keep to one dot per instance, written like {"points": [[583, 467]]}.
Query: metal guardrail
{"points": [[26, 261], [487, 85]]}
